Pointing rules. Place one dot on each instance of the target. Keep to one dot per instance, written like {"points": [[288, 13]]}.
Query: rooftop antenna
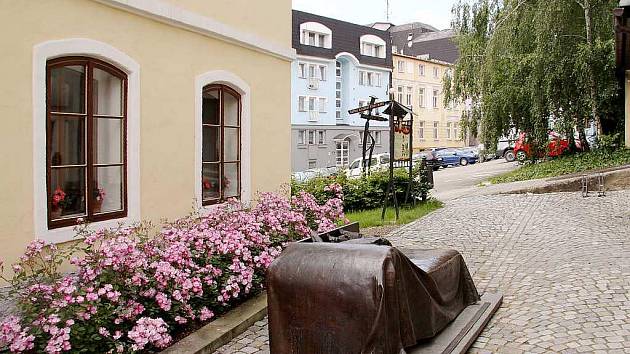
{"points": [[387, 14]]}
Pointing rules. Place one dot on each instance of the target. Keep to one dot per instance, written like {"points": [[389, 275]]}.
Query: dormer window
{"points": [[316, 35], [372, 46]]}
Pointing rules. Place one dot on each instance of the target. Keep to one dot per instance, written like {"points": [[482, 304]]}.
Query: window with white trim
{"points": [[436, 127], [436, 72], [401, 66], [421, 130], [322, 72], [312, 71], [312, 163], [377, 137], [409, 101], [321, 137], [338, 87], [322, 105], [302, 70], [86, 157], [372, 46], [221, 144], [302, 137], [400, 93], [312, 102], [421, 69], [455, 131], [315, 34], [342, 149], [421, 97], [436, 98], [448, 130], [302, 103], [311, 137]]}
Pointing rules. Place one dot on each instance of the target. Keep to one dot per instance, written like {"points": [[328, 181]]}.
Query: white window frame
{"points": [[377, 137], [321, 137], [302, 70], [436, 98], [342, 152], [312, 163], [372, 46], [311, 137], [421, 69], [83, 47], [401, 66], [362, 78], [322, 72], [241, 87], [421, 97], [315, 34], [312, 71], [301, 103], [409, 101], [448, 130], [378, 79], [302, 137], [400, 92], [436, 130], [322, 104], [436, 72], [312, 104], [421, 130]]}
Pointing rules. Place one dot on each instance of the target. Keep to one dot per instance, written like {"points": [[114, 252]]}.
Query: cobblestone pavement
{"points": [[561, 261]]}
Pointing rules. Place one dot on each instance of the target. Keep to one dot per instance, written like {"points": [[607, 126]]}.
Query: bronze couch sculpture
{"points": [[363, 296]]}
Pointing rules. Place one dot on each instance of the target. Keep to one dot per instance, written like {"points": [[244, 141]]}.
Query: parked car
{"points": [[456, 158], [505, 149], [432, 159], [379, 161], [556, 146]]}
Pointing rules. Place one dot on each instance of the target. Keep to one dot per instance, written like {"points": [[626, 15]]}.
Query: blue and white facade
{"points": [[339, 66]]}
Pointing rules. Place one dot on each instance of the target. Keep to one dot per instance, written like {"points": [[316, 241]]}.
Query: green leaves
{"points": [[528, 63]]}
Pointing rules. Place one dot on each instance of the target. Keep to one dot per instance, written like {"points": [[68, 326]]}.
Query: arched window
{"points": [[315, 34], [372, 46], [86, 159], [221, 144]]}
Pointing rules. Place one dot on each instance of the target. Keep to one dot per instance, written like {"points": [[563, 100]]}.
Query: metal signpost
{"points": [[397, 124], [366, 164]]}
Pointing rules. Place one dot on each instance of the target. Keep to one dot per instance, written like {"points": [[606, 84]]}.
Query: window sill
{"points": [[301, 146], [67, 233]]}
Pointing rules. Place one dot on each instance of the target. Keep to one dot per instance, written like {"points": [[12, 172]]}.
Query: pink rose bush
{"points": [[135, 290]]}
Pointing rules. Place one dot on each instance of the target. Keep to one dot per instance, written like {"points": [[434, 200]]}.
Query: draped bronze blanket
{"points": [[355, 298]]}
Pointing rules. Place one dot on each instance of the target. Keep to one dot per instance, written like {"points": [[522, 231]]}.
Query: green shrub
{"points": [[366, 193]]}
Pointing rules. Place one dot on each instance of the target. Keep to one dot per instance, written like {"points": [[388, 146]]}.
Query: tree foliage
{"points": [[527, 64]]}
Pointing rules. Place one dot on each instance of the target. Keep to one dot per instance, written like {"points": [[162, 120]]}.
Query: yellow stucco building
{"points": [[418, 83], [125, 110]]}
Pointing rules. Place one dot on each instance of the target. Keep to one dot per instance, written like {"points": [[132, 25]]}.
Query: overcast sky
{"points": [[433, 12]]}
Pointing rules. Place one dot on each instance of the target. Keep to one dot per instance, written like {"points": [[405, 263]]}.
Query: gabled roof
{"points": [[345, 38]]}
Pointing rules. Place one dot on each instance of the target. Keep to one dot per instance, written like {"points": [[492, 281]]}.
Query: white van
{"points": [[379, 161]]}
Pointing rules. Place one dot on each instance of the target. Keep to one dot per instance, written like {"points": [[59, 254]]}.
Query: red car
{"points": [[556, 146]]}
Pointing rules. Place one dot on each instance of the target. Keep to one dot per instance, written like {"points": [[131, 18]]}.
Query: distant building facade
{"points": [[339, 66], [418, 83], [422, 56]]}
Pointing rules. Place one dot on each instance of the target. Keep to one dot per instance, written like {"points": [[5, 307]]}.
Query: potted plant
{"points": [[59, 202], [99, 196]]}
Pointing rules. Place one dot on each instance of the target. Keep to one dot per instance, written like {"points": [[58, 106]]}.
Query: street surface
{"points": [[561, 261], [456, 182]]}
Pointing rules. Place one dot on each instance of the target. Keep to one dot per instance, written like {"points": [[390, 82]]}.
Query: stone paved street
{"points": [[561, 261]]}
